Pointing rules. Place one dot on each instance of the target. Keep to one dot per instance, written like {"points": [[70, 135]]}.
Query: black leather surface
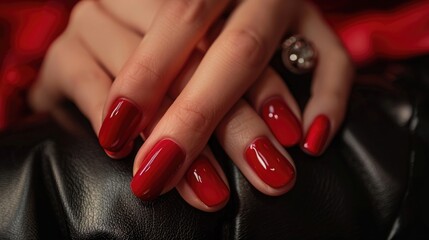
{"points": [[372, 182], [64, 185]]}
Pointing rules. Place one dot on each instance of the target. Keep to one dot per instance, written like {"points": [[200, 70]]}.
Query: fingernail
{"points": [[119, 125], [128, 147], [157, 169], [282, 122], [269, 164], [317, 135], [206, 183]]}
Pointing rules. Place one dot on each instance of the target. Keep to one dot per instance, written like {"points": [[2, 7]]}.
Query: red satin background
{"points": [[369, 30], [26, 29]]}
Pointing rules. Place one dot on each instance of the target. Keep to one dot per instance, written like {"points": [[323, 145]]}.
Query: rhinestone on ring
{"points": [[298, 54]]}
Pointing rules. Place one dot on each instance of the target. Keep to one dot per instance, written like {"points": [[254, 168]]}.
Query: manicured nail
{"points": [[206, 183], [119, 125], [282, 122], [157, 169], [317, 135], [128, 147], [269, 164]]}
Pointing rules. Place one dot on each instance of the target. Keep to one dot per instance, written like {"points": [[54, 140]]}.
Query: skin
{"points": [[206, 75]]}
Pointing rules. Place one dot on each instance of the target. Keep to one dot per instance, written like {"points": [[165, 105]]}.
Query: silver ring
{"points": [[298, 54]]}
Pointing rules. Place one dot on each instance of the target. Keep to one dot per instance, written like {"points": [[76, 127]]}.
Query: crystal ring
{"points": [[298, 54]]}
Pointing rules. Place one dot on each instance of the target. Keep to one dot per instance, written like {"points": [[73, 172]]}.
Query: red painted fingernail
{"points": [[269, 164], [206, 183], [128, 147], [119, 125], [157, 169], [317, 135], [282, 122]]}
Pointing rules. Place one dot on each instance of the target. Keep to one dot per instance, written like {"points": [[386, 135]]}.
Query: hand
{"points": [[92, 31]]}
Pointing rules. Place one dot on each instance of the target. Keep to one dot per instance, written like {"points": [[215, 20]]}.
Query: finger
{"points": [[144, 80], [96, 31], [241, 127], [106, 39], [269, 91], [277, 107], [230, 66], [205, 185], [139, 16], [331, 86], [70, 71], [136, 14], [235, 133], [264, 163]]}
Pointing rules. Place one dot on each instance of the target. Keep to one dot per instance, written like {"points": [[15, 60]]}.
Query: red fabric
{"points": [[27, 28], [400, 33]]}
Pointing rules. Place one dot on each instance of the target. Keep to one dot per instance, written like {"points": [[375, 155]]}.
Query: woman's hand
{"points": [[106, 41]]}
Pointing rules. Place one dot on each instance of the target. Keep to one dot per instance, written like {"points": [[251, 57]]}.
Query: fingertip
{"points": [[279, 191], [282, 121], [275, 192], [158, 170], [119, 125], [270, 165], [207, 185], [204, 185], [317, 136]]}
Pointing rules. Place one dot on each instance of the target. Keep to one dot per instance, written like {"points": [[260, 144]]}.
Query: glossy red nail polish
{"points": [[128, 147], [119, 125], [269, 164], [206, 183], [282, 122], [317, 135], [157, 169]]}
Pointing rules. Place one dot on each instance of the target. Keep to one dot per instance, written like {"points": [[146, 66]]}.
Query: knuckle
{"points": [[81, 11], [56, 49], [143, 68], [193, 118], [245, 47], [54, 61], [187, 11], [78, 79], [236, 123]]}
